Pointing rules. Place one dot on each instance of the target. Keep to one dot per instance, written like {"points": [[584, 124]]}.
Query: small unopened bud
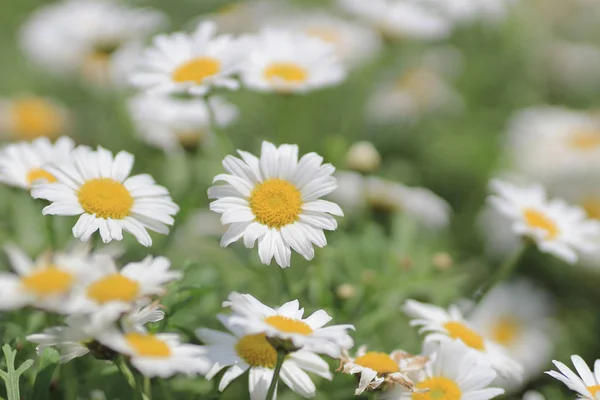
{"points": [[442, 261], [346, 291], [363, 157]]}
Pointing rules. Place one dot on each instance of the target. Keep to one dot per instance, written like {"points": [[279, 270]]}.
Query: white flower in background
{"points": [[584, 382], [45, 283], [249, 16], [31, 117], [441, 325], [517, 316], [287, 322], [469, 11], [24, 164], [533, 395], [287, 61], [571, 65], [499, 240], [193, 63], [351, 193], [363, 156], [419, 203], [172, 123], [354, 43], [453, 372], [85, 36], [97, 186], [155, 355], [401, 19], [240, 352], [377, 368], [557, 227], [551, 143], [206, 223], [76, 338], [275, 199], [135, 282]]}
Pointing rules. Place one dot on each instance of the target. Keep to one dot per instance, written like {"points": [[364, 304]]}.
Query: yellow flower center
{"points": [[106, 198], [48, 281], [458, 330], [32, 118], [505, 330], [256, 351], [38, 174], [585, 139], [324, 33], [537, 220], [147, 345], [190, 138], [289, 325], [591, 205], [115, 287], [276, 203], [197, 70], [286, 71], [440, 388], [379, 362], [594, 389]]}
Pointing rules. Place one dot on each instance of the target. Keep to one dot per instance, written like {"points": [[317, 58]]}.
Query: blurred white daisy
{"points": [[557, 227], [469, 11], [290, 62], [24, 164], [85, 36], [351, 193], [401, 19], [249, 16], [377, 368], [240, 352], [173, 123], [517, 316], [584, 382], [441, 325], [275, 199], [136, 281], [419, 203], [533, 395], [97, 186], [45, 283], [31, 117], [287, 323], [155, 355], [453, 372], [570, 65], [193, 63]]}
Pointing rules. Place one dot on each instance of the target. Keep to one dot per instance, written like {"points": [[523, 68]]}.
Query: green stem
{"points": [[50, 232], [224, 141], [276, 372], [147, 388], [124, 368], [504, 271]]}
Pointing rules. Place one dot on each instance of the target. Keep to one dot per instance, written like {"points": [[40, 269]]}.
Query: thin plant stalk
{"points": [[276, 373]]}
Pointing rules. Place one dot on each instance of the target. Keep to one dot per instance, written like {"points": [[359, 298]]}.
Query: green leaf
{"points": [[48, 364], [11, 376]]}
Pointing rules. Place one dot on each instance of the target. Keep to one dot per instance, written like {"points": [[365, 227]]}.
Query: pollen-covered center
{"points": [[39, 174], [325, 33], [537, 220], [256, 351], [115, 287], [289, 325], [48, 281], [147, 345], [197, 70], [585, 139], [591, 205], [438, 388], [379, 362], [286, 71], [505, 330], [594, 390], [458, 330], [276, 203], [106, 198], [31, 118]]}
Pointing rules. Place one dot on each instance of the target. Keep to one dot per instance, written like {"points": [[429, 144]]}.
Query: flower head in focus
{"points": [[584, 381]]}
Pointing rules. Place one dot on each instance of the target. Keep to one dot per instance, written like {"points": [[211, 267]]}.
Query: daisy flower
{"points": [[45, 283], [240, 352], [584, 382], [376, 368], [24, 164], [135, 282], [97, 186], [172, 124], [275, 199], [351, 193], [570, 65], [469, 11], [290, 62], [441, 325], [32, 117], [555, 226], [89, 46], [180, 63], [287, 323], [453, 372], [249, 16]]}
